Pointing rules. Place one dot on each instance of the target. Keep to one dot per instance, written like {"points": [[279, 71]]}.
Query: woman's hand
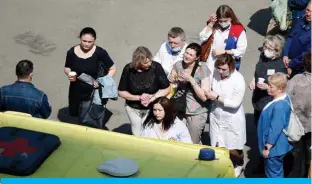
{"points": [[185, 76], [263, 86], [72, 78], [265, 153], [289, 71], [145, 99], [286, 61], [211, 95], [252, 85], [217, 52], [95, 84], [212, 19]]}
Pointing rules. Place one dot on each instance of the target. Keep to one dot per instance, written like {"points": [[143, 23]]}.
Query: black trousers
{"points": [[296, 163]]}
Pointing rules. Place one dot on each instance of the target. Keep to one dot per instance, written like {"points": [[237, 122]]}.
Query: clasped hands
{"points": [[146, 99]]}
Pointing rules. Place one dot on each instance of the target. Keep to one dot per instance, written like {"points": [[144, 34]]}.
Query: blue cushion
{"points": [[23, 151], [207, 154], [119, 167]]}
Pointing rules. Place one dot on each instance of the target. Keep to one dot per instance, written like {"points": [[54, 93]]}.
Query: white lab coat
{"points": [[166, 59], [219, 43], [178, 131], [227, 120]]}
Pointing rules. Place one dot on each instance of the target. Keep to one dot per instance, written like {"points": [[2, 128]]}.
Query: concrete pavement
{"points": [[43, 30]]}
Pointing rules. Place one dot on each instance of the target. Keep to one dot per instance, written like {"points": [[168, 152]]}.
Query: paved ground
{"points": [[43, 31]]}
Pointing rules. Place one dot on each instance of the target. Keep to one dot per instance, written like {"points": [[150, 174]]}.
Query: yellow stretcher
{"points": [[83, 149]]}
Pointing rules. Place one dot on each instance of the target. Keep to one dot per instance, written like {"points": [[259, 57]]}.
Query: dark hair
{"points": [[195, 47], [307, 61], [88, 30], [169, 113], [24, 68], [225, 11], [225, 59]]}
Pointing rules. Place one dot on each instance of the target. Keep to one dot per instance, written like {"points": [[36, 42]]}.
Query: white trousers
{"points": [[137, 118]]}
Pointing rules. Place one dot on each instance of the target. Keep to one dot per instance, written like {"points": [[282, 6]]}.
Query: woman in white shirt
{"points": [[227, 117], [224, 34], [161, 123]]}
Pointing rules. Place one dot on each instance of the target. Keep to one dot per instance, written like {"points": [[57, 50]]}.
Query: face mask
{"points": [[268, 54], [174, 50], [177, 49], [225, 24]]}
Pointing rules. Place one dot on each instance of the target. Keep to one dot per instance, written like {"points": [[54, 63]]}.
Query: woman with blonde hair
{"points": [[142, 81], [270, 62], [273, 144]]}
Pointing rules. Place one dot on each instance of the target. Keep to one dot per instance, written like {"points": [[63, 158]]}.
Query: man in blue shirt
{"points": [[297, 8], [22, 96], [298, 43]]}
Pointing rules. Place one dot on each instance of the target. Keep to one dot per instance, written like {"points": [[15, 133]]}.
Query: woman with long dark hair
{"points": [[224, 34], [162, 123], [192, 79]]}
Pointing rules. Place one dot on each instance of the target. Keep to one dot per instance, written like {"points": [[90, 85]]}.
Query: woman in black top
{"points": [[85, 58], [142, 81], [270, 62]]}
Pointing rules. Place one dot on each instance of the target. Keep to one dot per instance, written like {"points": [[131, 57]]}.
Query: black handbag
{"points": [[179, 98], [94, 115]]}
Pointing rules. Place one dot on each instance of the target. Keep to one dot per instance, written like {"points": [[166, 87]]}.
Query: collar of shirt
{"points": [[22, 83], [305, 25], [275, 100]]}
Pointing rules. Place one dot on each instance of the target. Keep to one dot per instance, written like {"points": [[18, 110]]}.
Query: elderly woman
{"points": [[191, 78], [227, 117], [163, 124], [273, 144], [270, 62], [299, 91], [142, 81]]}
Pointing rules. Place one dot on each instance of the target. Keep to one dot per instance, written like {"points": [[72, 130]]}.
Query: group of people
{"points": [[174, 94]]}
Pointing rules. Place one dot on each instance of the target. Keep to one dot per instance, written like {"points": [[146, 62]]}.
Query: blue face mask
{"points": [[174, 50]]}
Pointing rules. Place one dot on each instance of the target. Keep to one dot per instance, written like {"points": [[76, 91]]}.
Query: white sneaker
{"points": [[238, 171]]}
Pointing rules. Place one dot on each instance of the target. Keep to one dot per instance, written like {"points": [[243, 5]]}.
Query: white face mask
{"points": [[225, 24], [268, 54]]}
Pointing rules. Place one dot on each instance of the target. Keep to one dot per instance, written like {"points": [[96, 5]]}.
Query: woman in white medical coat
{"points": [[227, 117], [162, 123]]}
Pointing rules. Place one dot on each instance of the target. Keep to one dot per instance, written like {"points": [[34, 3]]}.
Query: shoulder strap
{"points": [[290, 104], [189, 87], [195, 68]]}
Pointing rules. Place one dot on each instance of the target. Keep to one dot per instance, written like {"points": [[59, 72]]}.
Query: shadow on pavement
{"points": [[63, 116], [253, 154], [259, 21], [124, 129]]}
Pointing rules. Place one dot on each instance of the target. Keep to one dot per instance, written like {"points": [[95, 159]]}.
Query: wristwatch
{"points": [[266, 148], [217, 97]]}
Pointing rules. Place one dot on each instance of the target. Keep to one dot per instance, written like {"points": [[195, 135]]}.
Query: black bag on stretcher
{"points": [[23, 151]]}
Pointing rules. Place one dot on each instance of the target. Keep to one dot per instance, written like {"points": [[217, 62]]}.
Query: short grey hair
{"points": [[177, 32], [277, 41]]}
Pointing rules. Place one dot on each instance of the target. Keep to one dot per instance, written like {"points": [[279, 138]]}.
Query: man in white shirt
{"points": [[172, 51]]}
